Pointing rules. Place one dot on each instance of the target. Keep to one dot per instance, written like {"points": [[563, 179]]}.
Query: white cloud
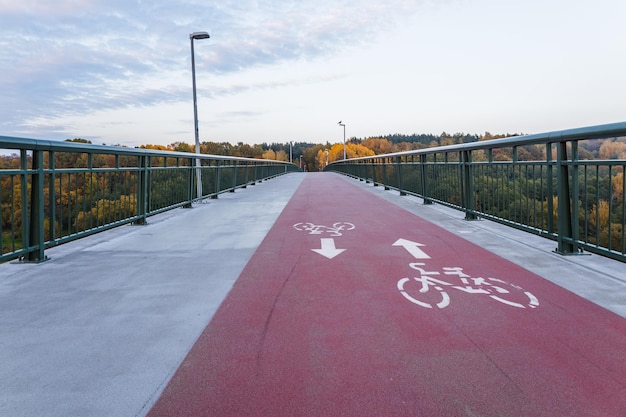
{"points": [[278, 69], [36, 7]]}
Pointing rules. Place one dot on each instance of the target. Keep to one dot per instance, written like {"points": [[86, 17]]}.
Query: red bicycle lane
{"points": [[354, 306]]}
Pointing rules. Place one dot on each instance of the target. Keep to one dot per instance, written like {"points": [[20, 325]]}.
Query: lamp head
{"points": [[199, 35]]}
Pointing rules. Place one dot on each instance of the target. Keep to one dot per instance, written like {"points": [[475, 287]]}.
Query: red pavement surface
{"points": [[304, 335]]}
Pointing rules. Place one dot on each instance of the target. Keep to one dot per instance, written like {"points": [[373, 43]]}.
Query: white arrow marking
{"points": [[328, 248], [413, 248]]}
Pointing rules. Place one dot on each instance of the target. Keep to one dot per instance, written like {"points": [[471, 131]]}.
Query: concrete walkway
{"points": [[100, 328]]}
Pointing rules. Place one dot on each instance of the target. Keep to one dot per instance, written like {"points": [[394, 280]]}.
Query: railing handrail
{"points": [[591, 132], [541, 194], [8, 142], [48, 200]]}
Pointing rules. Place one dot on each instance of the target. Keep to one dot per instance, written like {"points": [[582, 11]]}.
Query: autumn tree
{"points": [[269, 154], [282, 156], [613, 149], [618, 186], [335, 153], [380, 146], [310, 160]]}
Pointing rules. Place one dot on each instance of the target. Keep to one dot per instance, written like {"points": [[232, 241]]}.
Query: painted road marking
{"points": [[470, 285], [412, 247], [317, 229], [476, 286], [328, 248]]}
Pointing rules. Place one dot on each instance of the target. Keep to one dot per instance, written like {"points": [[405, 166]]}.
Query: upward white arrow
{"points": [[328, 248], [412, 248]]}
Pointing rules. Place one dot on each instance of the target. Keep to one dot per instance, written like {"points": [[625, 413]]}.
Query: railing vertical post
{"points": [[385, 180], [400, 183], [565, 236], [575, 197], [36, 236], [218, 181], [550, 189], [467, 188], [190, 182], [423, 173], [256, 173], [52, 215], [25, 223], [142, 190], [235, 169]]}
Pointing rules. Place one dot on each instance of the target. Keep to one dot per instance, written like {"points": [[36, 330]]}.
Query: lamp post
{"points": [[196, 35], [344, 138]]}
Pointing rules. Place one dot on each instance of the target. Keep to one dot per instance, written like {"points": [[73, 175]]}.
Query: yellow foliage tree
{"points": [[335, 153], [378, 145], [599, 216], [269, 154], [618, 186], [282, 156], [613, 149], [352, 151]]}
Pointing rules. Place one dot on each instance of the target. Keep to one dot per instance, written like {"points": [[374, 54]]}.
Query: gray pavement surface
{"points": [[100, 328]]}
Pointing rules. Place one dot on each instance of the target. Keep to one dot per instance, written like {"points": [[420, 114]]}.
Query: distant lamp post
{"points": [[196, 35], [344, 138]]}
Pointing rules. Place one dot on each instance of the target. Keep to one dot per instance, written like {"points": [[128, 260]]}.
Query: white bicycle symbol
{"points": [[317, 229], [514, 296]]}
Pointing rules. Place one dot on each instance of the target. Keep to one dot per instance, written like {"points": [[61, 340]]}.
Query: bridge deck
{"points": [[345, 302]]}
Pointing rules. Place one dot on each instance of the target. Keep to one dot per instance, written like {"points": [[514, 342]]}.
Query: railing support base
{"points": [[25, 260], [580, 252]]}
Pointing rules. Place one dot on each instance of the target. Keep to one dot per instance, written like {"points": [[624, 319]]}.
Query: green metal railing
{"points": [[53, 192], [548, 184]]}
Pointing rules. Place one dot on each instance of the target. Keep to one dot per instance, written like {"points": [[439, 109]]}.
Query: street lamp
{"points": [[344, 138], [196, 35]]}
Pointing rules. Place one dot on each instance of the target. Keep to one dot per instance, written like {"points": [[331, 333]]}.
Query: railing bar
{"points": [[597, 236], [13, 211], [623, 208], [610, 198], [586, 204]]}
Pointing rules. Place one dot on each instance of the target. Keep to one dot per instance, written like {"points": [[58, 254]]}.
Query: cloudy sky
{"points": [[119, 71]]}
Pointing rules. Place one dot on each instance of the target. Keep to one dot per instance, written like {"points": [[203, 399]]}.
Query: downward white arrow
{"points": [[413, 248], [328, 248]]}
